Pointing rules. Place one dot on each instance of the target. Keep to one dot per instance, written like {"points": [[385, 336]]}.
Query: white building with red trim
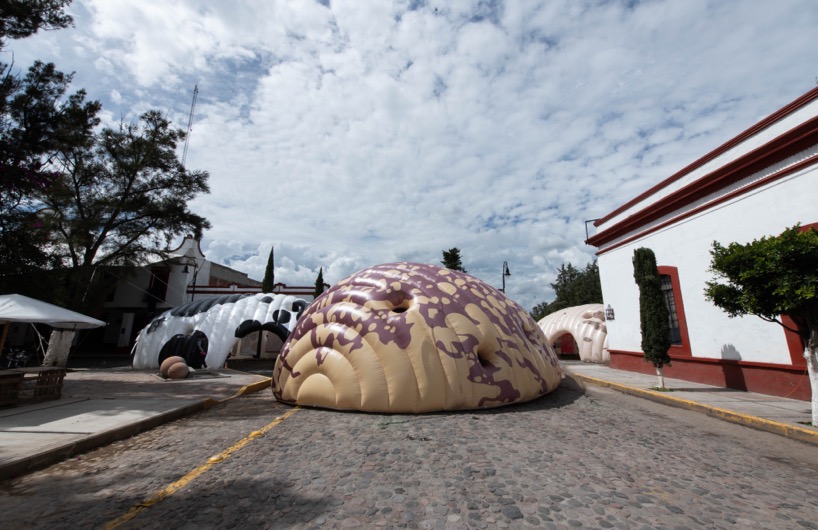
{"points": [[757, 184]]}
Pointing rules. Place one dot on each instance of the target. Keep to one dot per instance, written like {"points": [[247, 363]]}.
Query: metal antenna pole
{"points": [[190, 123]]}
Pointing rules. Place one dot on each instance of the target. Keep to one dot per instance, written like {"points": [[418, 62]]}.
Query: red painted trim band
{"points": [[724, 198], [752, 131], [782, 147]]}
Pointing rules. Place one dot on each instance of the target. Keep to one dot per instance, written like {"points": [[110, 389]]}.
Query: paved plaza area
{"points": [[600, 459]]}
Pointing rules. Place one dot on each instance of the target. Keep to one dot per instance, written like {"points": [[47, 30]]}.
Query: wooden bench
{"points": [[30, 385], [10, 381]]}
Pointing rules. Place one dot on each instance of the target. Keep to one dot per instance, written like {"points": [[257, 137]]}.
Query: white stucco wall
{"points": [[686, 245]]}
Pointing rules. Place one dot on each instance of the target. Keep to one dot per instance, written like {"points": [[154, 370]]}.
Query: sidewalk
{"points": [[101, 405], [786, 417]]}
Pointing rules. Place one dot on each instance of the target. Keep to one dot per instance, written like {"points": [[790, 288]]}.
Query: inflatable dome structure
{"points": [[203, 331], [408, 337], [586, 323]]}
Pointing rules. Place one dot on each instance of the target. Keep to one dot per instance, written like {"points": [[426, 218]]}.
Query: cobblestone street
{"points": [[600, 460]]}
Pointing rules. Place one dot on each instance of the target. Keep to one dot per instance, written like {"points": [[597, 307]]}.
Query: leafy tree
{"points": [[38, 119], [120, 200], [269, 280], [654, 320], [38, 122], [319, 283], [451, 260], [573, 287], [23, 18], [770, 277]]}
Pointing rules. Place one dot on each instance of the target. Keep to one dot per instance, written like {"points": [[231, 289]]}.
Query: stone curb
{"points": [[249, 389], [790, 431], [58, 454]]}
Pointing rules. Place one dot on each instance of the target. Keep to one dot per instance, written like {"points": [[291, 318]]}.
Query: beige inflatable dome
{"points": [[408, 337], [586, 323]]}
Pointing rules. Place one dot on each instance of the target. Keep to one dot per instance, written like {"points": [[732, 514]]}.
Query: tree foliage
{"points": [[573, 287], [654, 320], [23, 18], [269, 280], [38, 119], [770, 277], [121, 199], [451, 260], [38, 122], [319, 283]]}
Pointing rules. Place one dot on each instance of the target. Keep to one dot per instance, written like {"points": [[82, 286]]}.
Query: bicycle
{"points": [[15, 358]]}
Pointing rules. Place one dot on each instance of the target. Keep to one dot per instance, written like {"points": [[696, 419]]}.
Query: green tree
{"points": [[23, 18], [451, 260], [573, 287], [38, 119], [269, 280], [654, 320], [120, 200], [319, 283], [39, 122], [770, 277]]}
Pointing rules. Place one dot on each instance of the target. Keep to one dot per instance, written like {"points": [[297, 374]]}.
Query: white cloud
{"points": [[366, 131]]}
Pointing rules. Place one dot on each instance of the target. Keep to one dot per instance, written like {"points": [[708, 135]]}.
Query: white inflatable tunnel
{"points": [[586, 323], [203, 332]]}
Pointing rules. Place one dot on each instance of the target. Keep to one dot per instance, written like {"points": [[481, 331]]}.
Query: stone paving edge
{"points": [[801, 434], [258, 386], [57, 454]]}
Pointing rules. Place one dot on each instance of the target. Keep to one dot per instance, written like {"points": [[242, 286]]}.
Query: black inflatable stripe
{"points": [[281, 316], [247, 327], [205, 304], [298, 307], [278, 329], [192, 348]]}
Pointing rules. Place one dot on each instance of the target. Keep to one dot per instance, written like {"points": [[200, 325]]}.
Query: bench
{"points": [[30, 385]]}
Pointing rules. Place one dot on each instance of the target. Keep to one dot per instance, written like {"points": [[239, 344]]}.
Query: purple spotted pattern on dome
{"points": [[409, 310]]}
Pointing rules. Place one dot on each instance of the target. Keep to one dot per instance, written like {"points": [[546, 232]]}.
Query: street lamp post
{"points": [[506, 272], [186, 270]]}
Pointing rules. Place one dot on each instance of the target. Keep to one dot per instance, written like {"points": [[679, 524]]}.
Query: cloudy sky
{"points": [[349, 133]]}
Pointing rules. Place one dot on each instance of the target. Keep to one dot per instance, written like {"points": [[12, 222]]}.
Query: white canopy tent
{"points": [[19, 308]]}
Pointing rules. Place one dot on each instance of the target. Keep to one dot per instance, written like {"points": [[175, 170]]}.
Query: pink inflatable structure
{"points": [[586, 324], [409, 337]]}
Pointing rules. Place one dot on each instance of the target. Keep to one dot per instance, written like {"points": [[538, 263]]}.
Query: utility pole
{"points": [[190, 123]]}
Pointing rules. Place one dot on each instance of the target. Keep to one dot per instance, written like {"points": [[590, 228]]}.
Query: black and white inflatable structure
{"points": [[203, 331]]}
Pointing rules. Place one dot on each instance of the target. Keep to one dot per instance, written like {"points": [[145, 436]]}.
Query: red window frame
{"points": [[682, 349]]}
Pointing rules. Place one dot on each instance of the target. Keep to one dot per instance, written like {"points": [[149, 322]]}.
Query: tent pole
{"points": [[4, 335]]}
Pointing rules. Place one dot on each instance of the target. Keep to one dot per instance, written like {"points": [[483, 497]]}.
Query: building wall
{"points": [[687, 246], [221, 276], [757, 184]]}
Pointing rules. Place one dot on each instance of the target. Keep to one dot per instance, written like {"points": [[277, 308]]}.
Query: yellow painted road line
{"points": [[803, 434], [193, 475]]}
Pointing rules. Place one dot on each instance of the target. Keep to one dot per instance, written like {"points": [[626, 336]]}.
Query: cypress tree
{"points": [[654, 320], [269, 280], [451, 260], [319, 283]]}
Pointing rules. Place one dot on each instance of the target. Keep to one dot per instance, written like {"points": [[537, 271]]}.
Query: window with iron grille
{"points": [[670, 300]]}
